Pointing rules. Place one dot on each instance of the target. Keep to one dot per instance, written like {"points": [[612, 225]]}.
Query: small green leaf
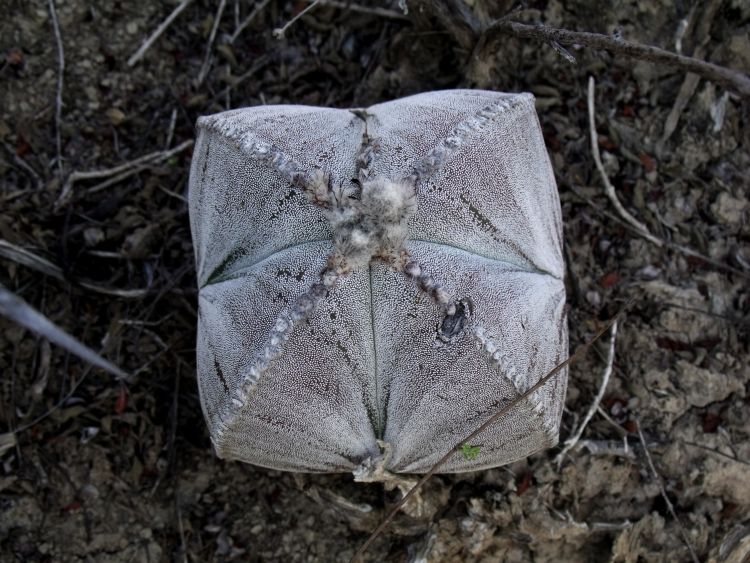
{"points": [[470, 452]]}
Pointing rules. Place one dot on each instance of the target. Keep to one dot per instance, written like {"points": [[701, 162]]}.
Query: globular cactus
{"points": [[378, 280]]}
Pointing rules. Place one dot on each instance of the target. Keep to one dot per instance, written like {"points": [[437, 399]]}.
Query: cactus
{"points": [[382, 276]]}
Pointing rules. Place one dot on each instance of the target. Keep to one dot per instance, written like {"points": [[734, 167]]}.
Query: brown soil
{"points": [[101, 471]]}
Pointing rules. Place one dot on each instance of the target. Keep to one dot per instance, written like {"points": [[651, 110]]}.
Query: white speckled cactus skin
{"points": [[316, 341]]}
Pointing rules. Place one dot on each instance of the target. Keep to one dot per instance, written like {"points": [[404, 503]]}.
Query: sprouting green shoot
{"points": [[470, 452]]}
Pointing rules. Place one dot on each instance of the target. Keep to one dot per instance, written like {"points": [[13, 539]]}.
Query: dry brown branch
{"points": [[58, 94], [731, 79], [146, 45], [580, 352], [664, 493], [206, 66], [571, 442]]}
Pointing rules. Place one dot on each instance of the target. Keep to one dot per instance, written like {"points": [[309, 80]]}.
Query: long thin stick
{"points": [[259, 64], [21, 163], [207, 58], [279, 32], [372, 11], [19, 255], [664, 494], [608, 187], [571, 442], [580, 352], [58, 96], [254, 14], [121, 171], [715, 452], [107, 172], [731, 79], [146, 45]]}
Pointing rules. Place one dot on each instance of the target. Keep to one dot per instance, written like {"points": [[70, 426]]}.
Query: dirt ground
{"points": [[95, 470]]}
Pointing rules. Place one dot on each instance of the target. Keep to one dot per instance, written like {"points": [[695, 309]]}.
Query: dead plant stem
{"points": [[279, 32], [608, 187], [146, 45], [661, 242], [668, 502], [206, 66], [259, 7], [372, 11], [121, 171], [570, 443], [729, 78], [60, 82]]}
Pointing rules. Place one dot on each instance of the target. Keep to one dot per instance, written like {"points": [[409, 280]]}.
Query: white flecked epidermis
{"points": [[367, 363]]}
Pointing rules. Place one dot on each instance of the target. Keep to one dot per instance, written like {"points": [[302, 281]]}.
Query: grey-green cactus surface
{"points": [[390, 274]]}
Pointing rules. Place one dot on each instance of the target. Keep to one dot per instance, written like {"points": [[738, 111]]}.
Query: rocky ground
{"points": [[96, 470]]}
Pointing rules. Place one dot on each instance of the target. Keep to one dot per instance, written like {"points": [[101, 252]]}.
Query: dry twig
{"points": [[608, 447], [690, 83], [170, 131], [146, 45], [279, 32], [715, 452], [26, 167], [205, 67], [26, 258], [58, 95], [608, 187], [580, 352], [259, 64], [570, 443], [120, 172], [248, 20], [731, 79], [371, 11], [660, 242], [664, 493]]}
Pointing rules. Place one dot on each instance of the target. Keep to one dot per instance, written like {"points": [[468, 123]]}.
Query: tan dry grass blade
{"points": [[17, 310]]}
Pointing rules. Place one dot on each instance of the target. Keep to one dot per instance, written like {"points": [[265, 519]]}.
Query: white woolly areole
{"points": [[373, 225]]}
